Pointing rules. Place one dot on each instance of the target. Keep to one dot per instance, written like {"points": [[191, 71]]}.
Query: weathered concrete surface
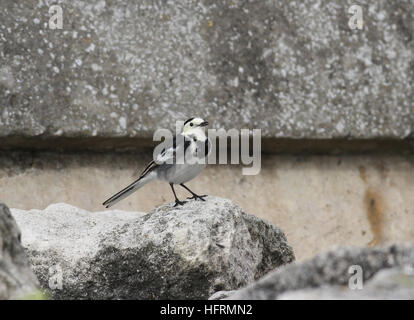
{"points": [[123, 69], [332, 269], [17, 280], [317, 201], [388, 284], [186, 252]]}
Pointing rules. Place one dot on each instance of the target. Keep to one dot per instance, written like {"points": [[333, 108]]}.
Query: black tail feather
{"points": [[118, 195]]}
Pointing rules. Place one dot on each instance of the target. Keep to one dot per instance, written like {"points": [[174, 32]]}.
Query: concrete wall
{"points": [[319, 201], [125, 68]]}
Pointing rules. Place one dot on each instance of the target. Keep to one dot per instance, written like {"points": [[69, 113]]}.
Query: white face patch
{"points": [[195, 123]]}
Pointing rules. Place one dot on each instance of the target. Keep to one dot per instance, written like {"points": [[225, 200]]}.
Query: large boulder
{"points": [[17, 280], [186, 252], [329, 271]]}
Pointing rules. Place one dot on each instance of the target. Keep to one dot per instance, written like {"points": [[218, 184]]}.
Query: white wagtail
{"points": [[177, 163]]}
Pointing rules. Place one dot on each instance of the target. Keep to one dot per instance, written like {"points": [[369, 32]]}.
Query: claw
{"points": [[178, 202], [195, 196]]}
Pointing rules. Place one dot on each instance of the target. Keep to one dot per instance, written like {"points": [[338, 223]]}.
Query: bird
{"points": [[177, 163]]}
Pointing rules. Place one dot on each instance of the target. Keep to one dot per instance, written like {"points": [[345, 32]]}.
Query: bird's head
{"points": [[193, 124]]}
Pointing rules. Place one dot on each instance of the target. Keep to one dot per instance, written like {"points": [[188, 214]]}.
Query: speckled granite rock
{"points": [[388, 284], [123, 69], [219, 295], [186, 252], [17, 280]]}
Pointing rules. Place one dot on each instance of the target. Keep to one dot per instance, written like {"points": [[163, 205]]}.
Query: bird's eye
{"points": [[191, 124]]}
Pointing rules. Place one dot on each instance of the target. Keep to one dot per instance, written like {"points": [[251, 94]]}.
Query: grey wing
{"points": [[163, 157], [173, 151]]}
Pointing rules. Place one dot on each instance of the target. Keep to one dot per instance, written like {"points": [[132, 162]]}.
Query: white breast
{"points": [[182, 173]]}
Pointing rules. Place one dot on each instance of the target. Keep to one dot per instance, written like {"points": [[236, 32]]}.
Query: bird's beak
{"points": [[203, 124]]}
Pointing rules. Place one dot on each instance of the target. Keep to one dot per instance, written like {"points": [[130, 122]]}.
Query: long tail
{"points": [[134, 186]]}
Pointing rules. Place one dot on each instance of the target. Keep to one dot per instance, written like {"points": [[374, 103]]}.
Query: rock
{"points": [[328, 269], [17, 280], [116, 70], [387, 284], [186, 252], [222, 295]]}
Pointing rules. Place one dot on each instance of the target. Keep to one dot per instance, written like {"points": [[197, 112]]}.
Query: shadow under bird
{"points": [[177, 163]]}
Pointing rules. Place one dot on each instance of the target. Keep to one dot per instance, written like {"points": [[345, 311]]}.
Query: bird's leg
{"points": [[195, 196], [177, 201]]}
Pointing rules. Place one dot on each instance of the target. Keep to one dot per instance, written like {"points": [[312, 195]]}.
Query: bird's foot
{"points": [[196, 196], [178, 202]]}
